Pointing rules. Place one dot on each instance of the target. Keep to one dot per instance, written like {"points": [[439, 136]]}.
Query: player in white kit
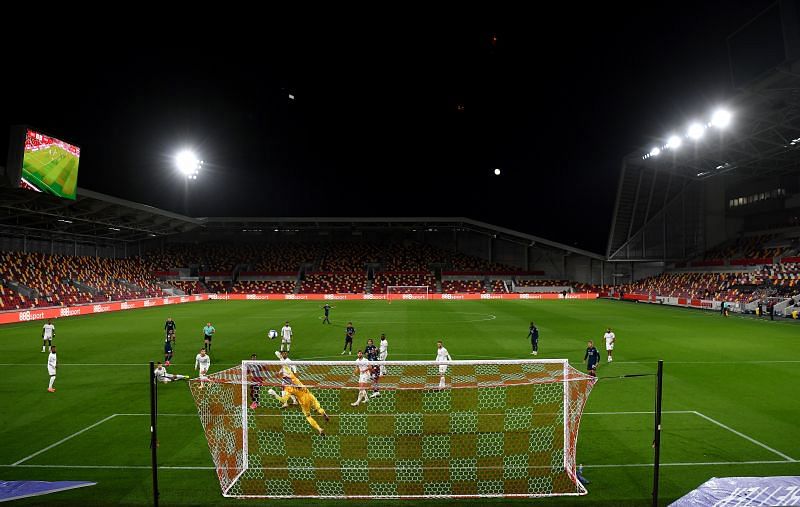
{"points": [[362, 370], [48, 333], [202, 362], [610, 338], [52, 364], [288, 370], [286, 337], [442, 355], [383, 352], [162, 376]]}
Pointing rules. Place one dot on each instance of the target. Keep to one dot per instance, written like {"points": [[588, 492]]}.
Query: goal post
{"points": [[453, 429], [407, 292]]}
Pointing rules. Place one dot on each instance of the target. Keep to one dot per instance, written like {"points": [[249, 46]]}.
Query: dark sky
{"points": [[556, 102]]}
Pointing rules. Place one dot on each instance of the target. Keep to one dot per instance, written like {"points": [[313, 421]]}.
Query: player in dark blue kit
{"points": [[167, 351], [169, 327], [592, 357], [327, 309], [371, 353], [348, 337], [533, 334]]}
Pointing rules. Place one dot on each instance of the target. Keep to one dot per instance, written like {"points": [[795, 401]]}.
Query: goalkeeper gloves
{"points": [[272, 392]]}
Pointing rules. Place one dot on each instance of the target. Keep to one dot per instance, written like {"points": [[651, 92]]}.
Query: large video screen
{"points": [[49, 165]]}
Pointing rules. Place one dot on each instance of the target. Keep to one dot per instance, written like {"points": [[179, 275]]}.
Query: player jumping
{"points": [[362, 369], [305, 398], [288, 371]]}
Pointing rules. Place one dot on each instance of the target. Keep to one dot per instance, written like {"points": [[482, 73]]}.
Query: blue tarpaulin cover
{"points": [[14, 490], [744, 492]]}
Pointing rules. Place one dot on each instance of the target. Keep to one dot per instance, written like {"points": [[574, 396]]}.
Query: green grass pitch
{"points": [[53, 170], [729, 390]]}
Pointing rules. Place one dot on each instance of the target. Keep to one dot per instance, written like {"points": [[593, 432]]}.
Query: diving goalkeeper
{"points": [[307, 401]]}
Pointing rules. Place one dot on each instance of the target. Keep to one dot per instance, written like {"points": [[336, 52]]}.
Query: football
{"points": [[272, 334]]}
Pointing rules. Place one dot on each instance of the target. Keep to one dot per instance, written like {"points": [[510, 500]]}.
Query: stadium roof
{"points": [[94, 217], [763, 140], [90, 217]]}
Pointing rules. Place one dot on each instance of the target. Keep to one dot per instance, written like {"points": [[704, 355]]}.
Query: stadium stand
{"points": [[189, 286], [385, 279], [498, 287], [455, 286], [262, 287], [334, 283], [218, 286]]}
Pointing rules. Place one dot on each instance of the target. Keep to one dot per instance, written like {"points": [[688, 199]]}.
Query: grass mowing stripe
{"points": [[753, 440], [98, 423]]}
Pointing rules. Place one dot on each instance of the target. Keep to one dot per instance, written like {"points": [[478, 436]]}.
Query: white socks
{"points": [[52, 379]]}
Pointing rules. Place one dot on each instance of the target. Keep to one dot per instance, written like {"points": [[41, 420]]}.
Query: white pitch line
{"points": [[705, 463], [750, 439], [98, 423]]}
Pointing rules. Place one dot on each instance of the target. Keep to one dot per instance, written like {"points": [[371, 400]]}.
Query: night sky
{"points": [[554, 98]]}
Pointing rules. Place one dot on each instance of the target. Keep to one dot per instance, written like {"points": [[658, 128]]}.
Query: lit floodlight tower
{"points": [[655, 151], [188, 164], [695, 131], [721, 118], [674, 142]]}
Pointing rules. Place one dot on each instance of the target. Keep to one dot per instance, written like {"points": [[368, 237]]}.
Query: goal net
{"points": [[479, 429], [395, 292]]}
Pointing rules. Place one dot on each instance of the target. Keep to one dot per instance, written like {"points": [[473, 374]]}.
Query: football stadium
{"points": [[268, 317]]}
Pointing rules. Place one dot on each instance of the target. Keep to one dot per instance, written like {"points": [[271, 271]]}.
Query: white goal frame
{"points": [[568, 450]]}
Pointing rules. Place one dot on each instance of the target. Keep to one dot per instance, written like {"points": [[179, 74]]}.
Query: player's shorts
{"points": [[286, 340], [168, 347], [48, 338], [442, 369], [363, 378], [203, 373], [51, 371], [348, 339], [208, 337], [610, 347]]}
